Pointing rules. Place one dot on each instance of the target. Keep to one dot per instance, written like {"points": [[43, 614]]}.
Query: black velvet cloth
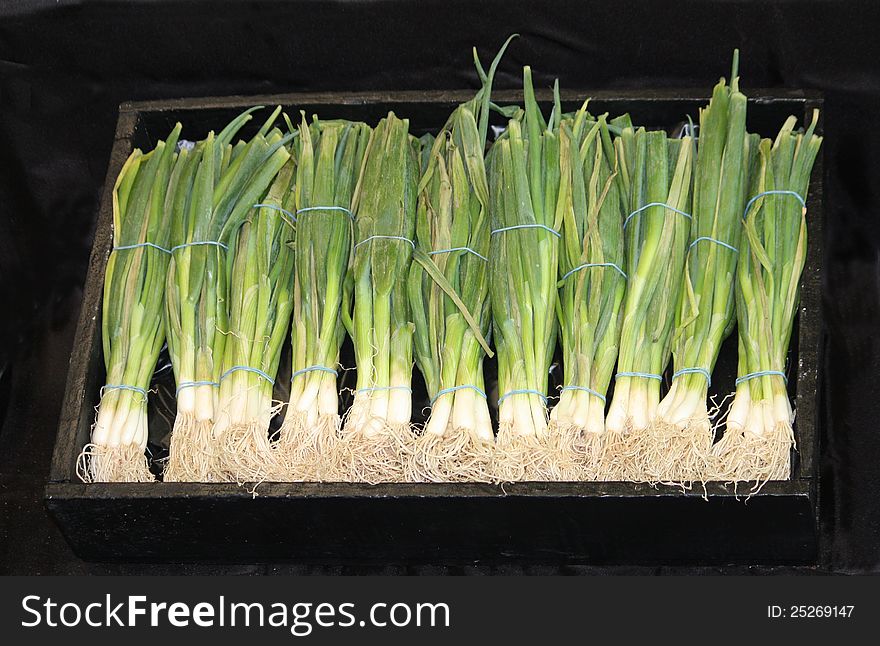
{"points": [[65, 66]]}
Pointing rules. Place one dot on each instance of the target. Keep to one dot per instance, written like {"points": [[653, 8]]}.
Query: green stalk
{"points": [[524, 179], [330, 155], [133, 330], [258, 313], [212, 184], [449, 292], [707, 308], [758, 436], [652, 170], [706, 312], [385, 207], [592, 284]]}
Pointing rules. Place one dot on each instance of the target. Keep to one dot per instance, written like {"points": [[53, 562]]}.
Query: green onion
{"points": [[655, 175], [329, 159], [523, 168], [758, 437], [212, 186], [381, 326], [592, 283], [258, 313], [132, 325], [678, 446], [452, 231]]}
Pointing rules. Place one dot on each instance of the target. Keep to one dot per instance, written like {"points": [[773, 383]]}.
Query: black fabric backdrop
{"points": [[65, 66]]}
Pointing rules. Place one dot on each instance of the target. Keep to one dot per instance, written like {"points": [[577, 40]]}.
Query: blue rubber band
{"points": [[375, 388], [446, 391], [697, 371], [277, 208], [793, 194], [199, 242], [386, 238], [468, 249], [584, 389], [193, 384], [527, 226], [761, 373], [140, 244], [718, 242], [256, 371], [648, 206], [642, 375], [595, 264], [326, 208], [690, 130], [524, 391], [124, 387], [313, 369]]}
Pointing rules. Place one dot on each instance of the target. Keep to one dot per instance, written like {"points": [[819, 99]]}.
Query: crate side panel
{"points": [[601, 530], [810, 327]]}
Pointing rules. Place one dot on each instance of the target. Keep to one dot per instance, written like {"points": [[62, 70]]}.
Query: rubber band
{"points": [[140, 244], [648, 206], [124, 387], [761, 373], [468, 249], [387, 238], [524, 391], [584, 389], [277, 208], [193, 384], [718, 242], [642, 375], [313, 369], [689, 130], [256, 371], [793, 194], [595, 264], [446, 391], [199, 242], [326, 208], [698, 371], [527, 226], [375, 388]]}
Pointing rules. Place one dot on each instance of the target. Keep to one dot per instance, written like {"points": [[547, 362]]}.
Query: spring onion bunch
{"points": [[758, 437], [329, 158], [377, 428], [678, 447], [452, 234], [523, 168], [212, 185], [655, 175], [133, 329], [258, 313], [592, 282]]}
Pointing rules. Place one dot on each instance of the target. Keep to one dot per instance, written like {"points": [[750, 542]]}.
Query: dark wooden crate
{"points": [[603, 523]]}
